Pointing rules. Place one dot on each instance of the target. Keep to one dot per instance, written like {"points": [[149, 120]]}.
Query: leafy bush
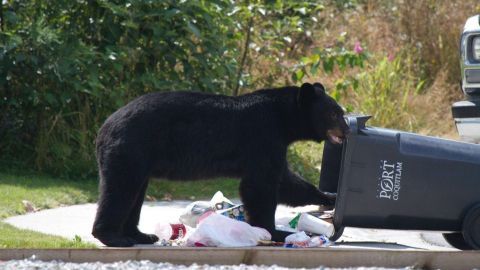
{"points": [[384, 91], [305, 159], [276, 34], [66, 65]]}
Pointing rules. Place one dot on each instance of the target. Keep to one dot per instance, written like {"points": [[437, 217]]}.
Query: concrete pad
{"points": [[77, 220]]}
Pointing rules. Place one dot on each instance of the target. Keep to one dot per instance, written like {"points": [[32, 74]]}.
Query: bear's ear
{"points": [[305, 93], [309, 92], [319, 88]]}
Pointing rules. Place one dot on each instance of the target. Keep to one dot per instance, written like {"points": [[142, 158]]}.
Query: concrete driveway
{"points": [[77, 220]]}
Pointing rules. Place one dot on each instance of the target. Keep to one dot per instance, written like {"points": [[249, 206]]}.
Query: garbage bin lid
{"points": [[357, 122]]}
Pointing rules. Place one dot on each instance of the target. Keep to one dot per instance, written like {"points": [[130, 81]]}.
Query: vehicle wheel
{"points": [[338, 233], [471, 225], [456, 240]]}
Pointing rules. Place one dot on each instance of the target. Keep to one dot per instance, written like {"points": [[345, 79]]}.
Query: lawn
{"points": [[45, 192], [12, 237]]}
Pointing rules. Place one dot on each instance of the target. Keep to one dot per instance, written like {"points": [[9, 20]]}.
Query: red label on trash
{"points": [[178, 231]]}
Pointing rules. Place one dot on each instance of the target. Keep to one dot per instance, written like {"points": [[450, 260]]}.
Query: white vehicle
{"points": [[467, 113]]}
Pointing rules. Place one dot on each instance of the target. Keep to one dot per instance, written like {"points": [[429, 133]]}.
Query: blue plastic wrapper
{"points": [[236, 212]]}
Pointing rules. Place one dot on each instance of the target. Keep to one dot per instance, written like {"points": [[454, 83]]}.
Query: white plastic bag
{"points": [[219, 231], [196, 209], [302, 240], [220, 202], [193, 212]]}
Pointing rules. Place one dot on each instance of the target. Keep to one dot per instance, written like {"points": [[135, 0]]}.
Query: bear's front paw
{"points": [[328, 198], [279, 236]]}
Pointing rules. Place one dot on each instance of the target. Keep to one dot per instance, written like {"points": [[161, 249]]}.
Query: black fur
{"points": [[190, 135]]}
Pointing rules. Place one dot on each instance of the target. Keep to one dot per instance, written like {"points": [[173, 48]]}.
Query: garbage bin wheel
{"points": [[338, 233], [471, 225], [456, 240]]}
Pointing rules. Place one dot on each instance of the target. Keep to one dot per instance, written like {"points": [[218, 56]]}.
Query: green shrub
{"points": [[66, 65], [305, 158], [385, 91]]}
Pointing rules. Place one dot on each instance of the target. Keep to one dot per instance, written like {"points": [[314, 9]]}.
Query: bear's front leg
{"points": [[295, 191], [258, 192]]}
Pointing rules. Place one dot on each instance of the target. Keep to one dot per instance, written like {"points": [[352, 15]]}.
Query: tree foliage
{"points": [[66, 65]]}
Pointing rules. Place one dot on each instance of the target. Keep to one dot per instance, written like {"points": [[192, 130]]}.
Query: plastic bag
{"points": [[218, 203], [302, 240], [219, 231], [194, 211]]}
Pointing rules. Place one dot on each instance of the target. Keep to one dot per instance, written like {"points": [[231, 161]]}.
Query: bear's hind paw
{"points": [[111, 240]]}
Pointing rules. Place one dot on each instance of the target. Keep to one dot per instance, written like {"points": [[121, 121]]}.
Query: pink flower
{"points": [[391, 56], [358, 48]]}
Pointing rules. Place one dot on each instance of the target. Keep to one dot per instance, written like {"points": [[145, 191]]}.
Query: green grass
{"points": [[193, 190], [17, 238], [43, 191], [48, 192]]}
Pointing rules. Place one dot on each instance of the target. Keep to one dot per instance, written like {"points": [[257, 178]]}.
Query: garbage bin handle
{"points": [[357, 122]]}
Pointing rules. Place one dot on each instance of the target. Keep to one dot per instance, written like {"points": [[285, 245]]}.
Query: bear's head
{"points": [[326, 116]]}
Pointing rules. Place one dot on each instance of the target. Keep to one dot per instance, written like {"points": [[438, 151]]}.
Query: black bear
{"points": [[191, 135]]}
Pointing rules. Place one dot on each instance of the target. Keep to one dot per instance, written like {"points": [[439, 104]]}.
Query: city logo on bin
{"points": [[389, 180]]}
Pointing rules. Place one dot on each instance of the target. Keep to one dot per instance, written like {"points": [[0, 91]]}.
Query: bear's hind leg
{"points": [[131, 226], [121, 182], [111, 214]]}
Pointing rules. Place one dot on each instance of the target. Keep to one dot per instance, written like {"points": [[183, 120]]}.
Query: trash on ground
{"points": [[167, 231], [221, 223], [218, 203], [220, 231], [194, 211], [294, 222], [302, 240], [29, 206], [236, 212], [315, 225], [284, 228]]}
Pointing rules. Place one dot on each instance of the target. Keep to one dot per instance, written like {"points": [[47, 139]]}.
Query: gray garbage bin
{"points": [[397, 180]]}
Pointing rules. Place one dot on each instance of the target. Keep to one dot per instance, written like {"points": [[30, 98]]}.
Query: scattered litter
{"points": [[194, 211], [150, 198], [236, 212], [220, 202], [315, 225], [167, 231], [294, 222], [29, 206], [302, 240], [220, 231], [221, 223], [167, 197], [284, 228]]}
